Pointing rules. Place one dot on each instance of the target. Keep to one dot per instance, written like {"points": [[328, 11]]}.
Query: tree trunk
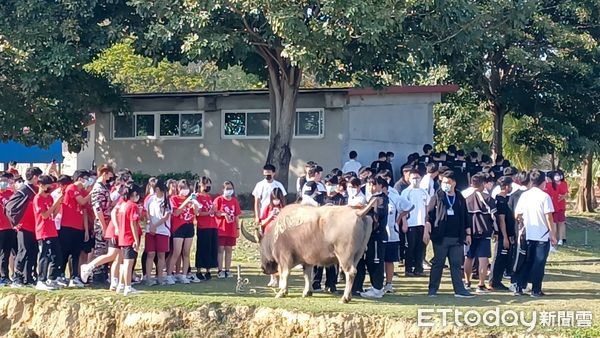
{"points": [[585, 195], [498, 116], [284, 84]]}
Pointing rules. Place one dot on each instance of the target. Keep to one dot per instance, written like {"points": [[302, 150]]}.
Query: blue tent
{"points": [[14, 151]]}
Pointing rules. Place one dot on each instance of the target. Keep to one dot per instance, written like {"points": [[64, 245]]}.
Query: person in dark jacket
{"points": [[448, 229]]}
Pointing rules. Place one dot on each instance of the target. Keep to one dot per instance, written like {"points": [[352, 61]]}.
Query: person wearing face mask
{"points": [[262, 191], [207, 240], [227, 212], [5, 188], [73, 230], [310, 194], [304, 178], [332, 197], [506, 234], [356, 198], [267, 219], [101, 207], [415, 227], [129, 236], [50, 254], [447, 227], [558, 190], [182, 232], [404, 182], [158, 230], [427, 182], [7, 237]]}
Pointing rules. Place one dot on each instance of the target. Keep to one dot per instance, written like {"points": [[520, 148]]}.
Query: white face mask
{"points": [[352, 191], [228, 192], [556, 178], [414, 182], [330, 188], [276, 202], [184, 192]]}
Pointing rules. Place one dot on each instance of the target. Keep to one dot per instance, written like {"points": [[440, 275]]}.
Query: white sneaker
{"points": [[560, 242], [192, 278], [169, 280], [183, 279], [553, 249], [373, 293], [513, 287], [62, 281], [41, 286], [388, 288], [129, 290], [86, 272], [120, 288], [150, 282], [221, 275], [76, 283], [113, 284]]}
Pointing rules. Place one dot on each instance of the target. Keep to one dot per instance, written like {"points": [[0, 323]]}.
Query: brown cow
{"points": [[315, 236]]}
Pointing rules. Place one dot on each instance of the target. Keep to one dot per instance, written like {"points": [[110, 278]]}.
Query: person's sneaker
{"points": [[373, 293], [518, 292], [3, 282], [228, 274], [135, 280], [500, 287], [113, 284], [17, 284], [431, 294], [192, 278], [129, 290], [482, 289], [409, 274], [170, 280], [120, 288], [317, 288], [553, 249], [150, 282], [512, 287], [182, 279], [536, 295], [464, 295], [76, 283], [560, 242], [356, 294], [41, 286], [221, 275], [388, 288], [208, 276], [468, 285], [53, 284], [200, 277], [86, 272], [420, 274], [564, 241], [332, 290], [62, 281]]}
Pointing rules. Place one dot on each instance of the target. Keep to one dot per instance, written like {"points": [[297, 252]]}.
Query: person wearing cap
{"points": [[352, 165]]}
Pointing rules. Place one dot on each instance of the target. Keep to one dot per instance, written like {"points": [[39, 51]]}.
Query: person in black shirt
{"points": [[373, 260], [404, 181], [451, 155], [459, 166], [498, 168], [332, 197], [447, 226], [381, 164], [516, 258], [506, 234]]}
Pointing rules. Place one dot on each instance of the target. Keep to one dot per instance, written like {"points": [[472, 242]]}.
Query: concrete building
{"points": [[225, 135]]}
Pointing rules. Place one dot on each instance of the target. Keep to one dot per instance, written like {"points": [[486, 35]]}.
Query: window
{"points": [[246, 124], [150, 124], [309, 124]]}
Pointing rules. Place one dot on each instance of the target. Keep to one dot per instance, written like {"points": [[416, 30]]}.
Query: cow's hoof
{"points": [[307, 294], [344, 300], [281, 294]]}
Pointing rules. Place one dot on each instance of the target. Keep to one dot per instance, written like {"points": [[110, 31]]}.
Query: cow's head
{"points": [[268, 264]]}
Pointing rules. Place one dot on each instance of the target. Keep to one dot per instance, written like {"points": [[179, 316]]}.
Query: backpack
{"points": [[18, 203]]}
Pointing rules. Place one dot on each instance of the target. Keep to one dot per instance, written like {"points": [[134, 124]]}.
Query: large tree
{"points": [[371, 42]]}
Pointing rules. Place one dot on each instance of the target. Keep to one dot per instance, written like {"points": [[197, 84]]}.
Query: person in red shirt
{"points": [[27, 246], [8, 236], [268, 218], [44, 209], [12, 168], [129, 236], [182, 232], [207, 240], [558, 190], [5, 188], [73, 230], [227, 210]]}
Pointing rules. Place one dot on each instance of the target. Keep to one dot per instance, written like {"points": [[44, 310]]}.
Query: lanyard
{"points": [[453, 200]]}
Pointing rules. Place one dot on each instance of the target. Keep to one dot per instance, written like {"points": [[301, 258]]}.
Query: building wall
{"points": [[239, 160], [401, 123], [81, 160]]}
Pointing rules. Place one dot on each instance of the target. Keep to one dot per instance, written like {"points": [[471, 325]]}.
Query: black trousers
{"points": [[70, 243], [452, 249], [26, 260], [331, 273], [372, 262], [49, 259], [414, 252], [403, 247], [7, 242], [501, 262]]}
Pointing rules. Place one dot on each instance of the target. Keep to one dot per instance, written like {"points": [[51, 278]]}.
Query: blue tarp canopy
{"points": [[14, 151]]}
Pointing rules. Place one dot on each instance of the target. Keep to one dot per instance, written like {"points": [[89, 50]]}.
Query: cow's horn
{"points": [[247, 234], [365, 210]]}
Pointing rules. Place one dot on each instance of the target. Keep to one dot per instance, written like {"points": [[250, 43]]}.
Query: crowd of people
{"points": [[95, 223]]}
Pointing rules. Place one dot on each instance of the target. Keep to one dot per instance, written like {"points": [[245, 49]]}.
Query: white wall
{"points": [[81, 160]]}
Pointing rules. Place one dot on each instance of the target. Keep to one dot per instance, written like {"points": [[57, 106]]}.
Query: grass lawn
{"points": [[572, 283]]}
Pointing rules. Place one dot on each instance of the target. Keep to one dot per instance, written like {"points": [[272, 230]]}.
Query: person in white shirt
{"points": [[158, 231], [262, 191], [352, 165], [356, 198], [315, 174], [398, 208], [534, 210], [310, 194], [427, 183], [413, 264], [304, 178]]}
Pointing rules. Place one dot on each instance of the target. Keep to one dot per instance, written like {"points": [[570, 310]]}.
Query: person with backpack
{"points": [[19, 210]]}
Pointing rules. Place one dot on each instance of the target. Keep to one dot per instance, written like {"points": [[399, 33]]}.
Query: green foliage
{"points": [[142, 178], [137, 73]]}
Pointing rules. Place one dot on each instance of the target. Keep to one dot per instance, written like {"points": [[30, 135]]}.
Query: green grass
{"points": [[572, 282]]}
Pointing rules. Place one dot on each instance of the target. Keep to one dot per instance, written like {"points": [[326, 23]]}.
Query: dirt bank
{"points": [[35, 315]]}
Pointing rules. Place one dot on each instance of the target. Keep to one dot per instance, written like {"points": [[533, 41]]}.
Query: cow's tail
{"points": [[363, 212]]}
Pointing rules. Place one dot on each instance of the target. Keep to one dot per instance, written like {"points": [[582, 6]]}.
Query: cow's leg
{"points": [[308, 277], [283, 281]]}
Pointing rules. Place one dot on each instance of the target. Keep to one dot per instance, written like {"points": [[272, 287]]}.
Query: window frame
{"points": [[244, 111], [156, 115], [321, 112]]}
